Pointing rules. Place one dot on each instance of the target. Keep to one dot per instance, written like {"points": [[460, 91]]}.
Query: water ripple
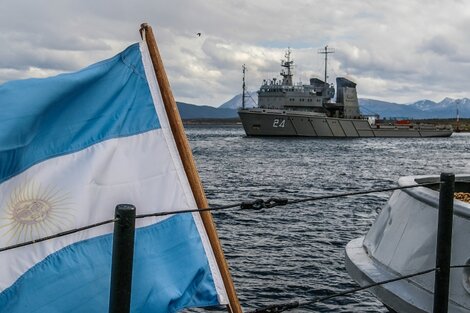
{"points": [[297, 252]]}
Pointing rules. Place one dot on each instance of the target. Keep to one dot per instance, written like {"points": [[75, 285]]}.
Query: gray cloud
{"points": [[399, 51]]}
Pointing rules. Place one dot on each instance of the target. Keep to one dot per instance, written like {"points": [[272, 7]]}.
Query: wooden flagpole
{"points": [[189, 165]]}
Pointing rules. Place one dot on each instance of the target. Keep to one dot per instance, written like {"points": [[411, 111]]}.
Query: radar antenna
{"points": [[243, 87], [326, 51]]}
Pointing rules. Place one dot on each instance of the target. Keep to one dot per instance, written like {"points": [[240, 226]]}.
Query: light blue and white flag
{"points": [[72, 147]]}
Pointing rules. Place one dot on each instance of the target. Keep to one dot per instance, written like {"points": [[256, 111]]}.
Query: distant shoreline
{"points": [[212, 121]]}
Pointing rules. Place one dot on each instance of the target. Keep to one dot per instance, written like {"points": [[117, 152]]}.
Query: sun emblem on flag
{"points": [[33, 212]]}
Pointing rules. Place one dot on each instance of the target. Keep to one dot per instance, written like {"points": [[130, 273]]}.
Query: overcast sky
{"points": [[400, 51]]}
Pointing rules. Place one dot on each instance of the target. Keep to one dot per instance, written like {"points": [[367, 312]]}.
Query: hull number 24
{"points": [[279, 123]]}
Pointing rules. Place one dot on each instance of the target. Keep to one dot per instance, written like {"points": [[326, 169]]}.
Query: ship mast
{"points": [[287, 77], [326, 51], [243, 87]]}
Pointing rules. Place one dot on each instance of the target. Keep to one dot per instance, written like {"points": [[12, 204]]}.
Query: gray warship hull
{"points": [[272, 122]]}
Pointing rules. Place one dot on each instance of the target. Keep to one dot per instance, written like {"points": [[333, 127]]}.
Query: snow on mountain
{"points": [[425, 105], [251, 100], [447, 108]]}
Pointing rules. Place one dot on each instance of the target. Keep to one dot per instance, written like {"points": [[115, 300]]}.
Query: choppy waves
{"points": [[297, 251]]}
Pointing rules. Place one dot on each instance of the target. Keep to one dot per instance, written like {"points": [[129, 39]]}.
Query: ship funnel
{"points": [[315, 82], [341, 83], [347, 96]]}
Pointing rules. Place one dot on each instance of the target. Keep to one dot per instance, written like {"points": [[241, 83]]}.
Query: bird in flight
{"points": [[198, 34]]}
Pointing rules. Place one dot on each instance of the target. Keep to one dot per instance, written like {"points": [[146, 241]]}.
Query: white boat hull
{"points": [[402, 241]]}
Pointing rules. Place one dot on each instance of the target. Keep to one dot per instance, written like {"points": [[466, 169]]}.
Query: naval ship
{"points": [[287, 109]]}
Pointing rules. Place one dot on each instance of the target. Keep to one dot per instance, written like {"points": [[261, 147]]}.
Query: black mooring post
{"points": [[123, 256], [444, 243]]}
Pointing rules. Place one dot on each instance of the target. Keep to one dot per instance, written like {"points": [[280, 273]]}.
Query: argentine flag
{"points": [[72, 147]]}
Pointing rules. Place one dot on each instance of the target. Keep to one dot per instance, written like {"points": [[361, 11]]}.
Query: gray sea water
{"points": [[296, 252]]}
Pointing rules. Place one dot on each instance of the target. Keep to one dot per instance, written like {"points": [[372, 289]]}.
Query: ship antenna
{"points": [[326, 51], [288, 64], [243, 87]]}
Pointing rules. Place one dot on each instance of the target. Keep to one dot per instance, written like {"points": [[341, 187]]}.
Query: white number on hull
{"points": [[279, 122]]}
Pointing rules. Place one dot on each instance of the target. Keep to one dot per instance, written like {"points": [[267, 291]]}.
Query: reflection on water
{"points": [[297, 251]]}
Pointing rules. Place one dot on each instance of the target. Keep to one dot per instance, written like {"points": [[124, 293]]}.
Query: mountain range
{"points": [[423, 109], [197, 112]]}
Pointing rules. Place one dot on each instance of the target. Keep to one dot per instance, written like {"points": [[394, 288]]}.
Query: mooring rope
{"points": [[257, 204], [61, 234], [281, 307]]}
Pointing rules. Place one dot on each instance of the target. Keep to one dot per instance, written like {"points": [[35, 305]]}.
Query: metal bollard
{"points": [[123, 256], [444, 242]]}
